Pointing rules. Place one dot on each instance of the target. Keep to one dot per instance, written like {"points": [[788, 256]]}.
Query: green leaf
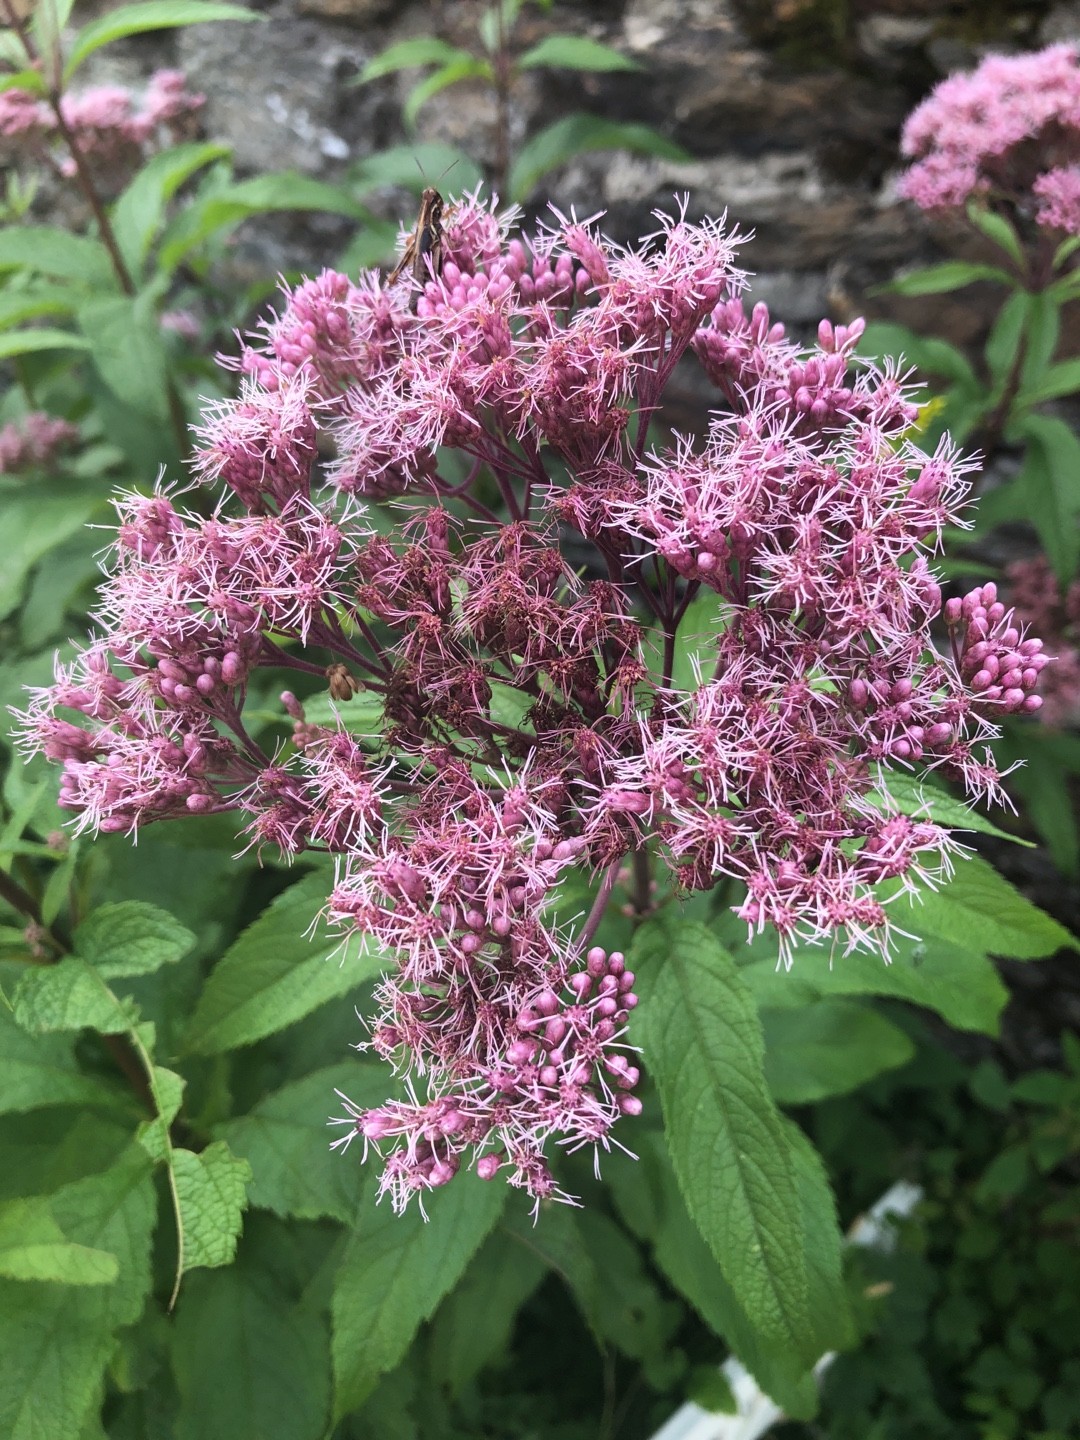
{"points": [[69, 996], [575, 135], [979, 909], [27, 303], [30, 342], [1003, 342], [36, 1072], [473, 1325], [275, 973], [702, 1043], [1038, 782], [285, 1141], [1060, 379], [409, 167], [58, 253], [251, 1363], [949, 275], [131, 938], [996, 228], [469, 68], [33, 1247], [1052, 468], [686, 1260], [140, 210], [35, 522], [828, 1048], [57, 1339], [145, 16], [935, 357], [574, 52], [362, 715], [393, 1274], [211, 1191], [960, 984], [410, 55], [226, 206], [128, 350]]}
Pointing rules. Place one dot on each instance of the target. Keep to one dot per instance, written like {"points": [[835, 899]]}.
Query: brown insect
{"points": [[423, 249]]}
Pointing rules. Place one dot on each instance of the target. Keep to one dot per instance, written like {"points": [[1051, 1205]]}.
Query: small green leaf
{"points": [[409, 166], [394, 1272], [469, 68], [131, 938], [33, 1247], [949, 275], [828, 1048], [703, 1045], [58, 253], [139, 212], [35, 522], [410, 55], [575, 135], [1003, 342], [1041, 338], [30, 342], [1060, 379], [128, 350], [148, 15], [996, 228], [574, 52], [275, 973], [211, 1191], [885, 340]]}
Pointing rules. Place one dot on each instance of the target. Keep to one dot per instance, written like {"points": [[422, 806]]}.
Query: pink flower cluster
{"points": [[531, 723], [1008, 132], [111, 128], [34, 441], [1040, 602]]}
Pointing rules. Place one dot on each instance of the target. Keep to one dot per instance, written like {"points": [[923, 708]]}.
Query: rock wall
{"points": [[791, 110]]}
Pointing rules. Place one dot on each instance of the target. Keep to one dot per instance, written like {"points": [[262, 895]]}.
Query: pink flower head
{"points": [[506, 631], [1009, 131]]}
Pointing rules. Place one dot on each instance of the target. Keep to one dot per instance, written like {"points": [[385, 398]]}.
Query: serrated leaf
{"points": [[913, 796], [64, 256], [409, 55], [56, 1339], [979, 909], [138, 214], [949, 275], [362, 715], [146, 16], [702, 1043], [829, 1047], [575, 135], [250, 1362], [285, 1141], [211, 1188], [33, 1247], [575, 52], [131, 938], [275, 973], [393, 1273], [70, 995]]}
